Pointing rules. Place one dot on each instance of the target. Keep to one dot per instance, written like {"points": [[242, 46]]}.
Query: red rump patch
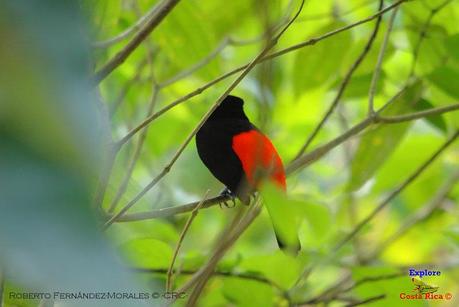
{"points": [[257, 152]]}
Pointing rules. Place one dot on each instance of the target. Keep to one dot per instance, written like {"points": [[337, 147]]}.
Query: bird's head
{"points": [[232, 107]]}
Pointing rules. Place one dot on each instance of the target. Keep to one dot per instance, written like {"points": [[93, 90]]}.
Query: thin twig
{"points": [[419, 216], [423, 34], [194, 213], [126, 33], [350, 198], [135, 156], [320, 151], [305, 160], [227, 41], [227, 241], [163, 10], [203, 62], [320, 16], [317, 153], [377, 71], [329, 294], [273, 55], [167, 168], [416, 115], [107, 168], [200, 279], [380, 207], [313, 41], [368, 300], [365, 280], [341, 286], [170, 211], [228, 274], [127, 85], [397, 191], [344, 83]]}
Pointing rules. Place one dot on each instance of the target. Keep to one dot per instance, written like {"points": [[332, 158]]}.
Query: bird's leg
{"points": [[227, 193]]}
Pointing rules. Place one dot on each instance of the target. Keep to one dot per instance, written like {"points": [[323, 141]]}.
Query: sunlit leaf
{"points": [[436, 120], [278, 267], [442, 78], [148, 253], [452, 45], [317, 216], [315, 66], [377, 144], [359, 85], [248, 293]]}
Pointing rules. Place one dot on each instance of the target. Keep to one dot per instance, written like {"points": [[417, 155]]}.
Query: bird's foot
{"points": [[250, 199], [227, 193]]}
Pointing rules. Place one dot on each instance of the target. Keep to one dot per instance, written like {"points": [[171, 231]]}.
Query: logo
{"points": [[423, 287], [424, 290]]}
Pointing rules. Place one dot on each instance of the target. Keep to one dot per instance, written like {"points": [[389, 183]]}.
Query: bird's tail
{"points": [[291, 248]]}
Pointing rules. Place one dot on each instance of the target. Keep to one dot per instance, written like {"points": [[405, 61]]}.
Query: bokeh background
{"points": [[79, 77]]}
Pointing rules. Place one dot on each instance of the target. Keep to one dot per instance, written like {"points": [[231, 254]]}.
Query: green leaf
{"points": [[383, 284], [379, 142], [453, 235], [359, 85], [248, 292], [184, 41], [452, 46], [317, 216], [147, 252], [367, 66], [445, 78], [314, 66], [432, 51], [435, 120], [277, 267]]}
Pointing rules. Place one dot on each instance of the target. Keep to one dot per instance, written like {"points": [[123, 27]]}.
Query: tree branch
{"points": [[167, 168], [419, 216], [126, 33], [335, 15], [381, 206], [127, 85], [135, 156], [227, 274], [368, 300], [423, 33], [227, 41], [377, 71], [170, 211], [104, 177], [397, 191], [163, 10], [229, 237], [320, 151], [341, 287], [344, 84], [295, 165], [273, 55], [317, 153], [170, 271], [416, 115], [233, 232]]}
